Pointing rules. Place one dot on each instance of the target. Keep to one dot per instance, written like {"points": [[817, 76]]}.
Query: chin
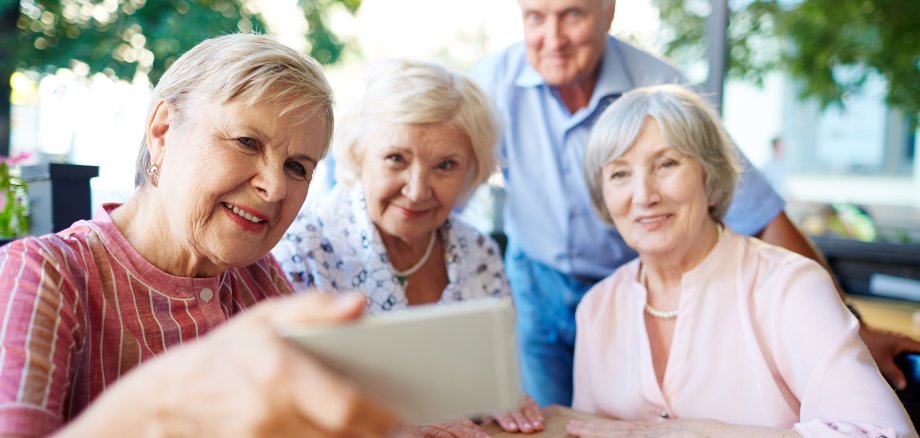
{"points": [[557, 78]]}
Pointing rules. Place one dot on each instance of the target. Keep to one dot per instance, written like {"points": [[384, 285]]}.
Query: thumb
{"points": [[893, 374], [310, 308]]}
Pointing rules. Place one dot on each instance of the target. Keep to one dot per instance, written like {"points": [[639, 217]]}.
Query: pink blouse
{"points": [[761, 339]]}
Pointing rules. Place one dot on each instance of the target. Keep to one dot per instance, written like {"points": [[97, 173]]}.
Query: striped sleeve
{"points": [[38, 335]]}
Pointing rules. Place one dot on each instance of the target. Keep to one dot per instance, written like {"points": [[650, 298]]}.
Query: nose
{"points": [[553, 35], [417, 187], [645, 190], [271, 183]]}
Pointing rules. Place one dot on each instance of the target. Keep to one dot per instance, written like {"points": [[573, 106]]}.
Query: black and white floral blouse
{"points": [[335, 247]]}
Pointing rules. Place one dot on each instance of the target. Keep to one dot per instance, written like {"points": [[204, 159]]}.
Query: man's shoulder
{"points": [[499, 69], [646, 68]]}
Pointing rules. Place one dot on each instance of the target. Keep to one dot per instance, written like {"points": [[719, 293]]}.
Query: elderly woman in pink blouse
{"points": [[708, 332]]}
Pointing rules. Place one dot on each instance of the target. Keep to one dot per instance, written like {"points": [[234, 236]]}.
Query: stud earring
{"points": [[153, 174]]}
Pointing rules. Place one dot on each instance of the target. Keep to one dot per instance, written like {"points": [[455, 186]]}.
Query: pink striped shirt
{"points": [[80, 308]]}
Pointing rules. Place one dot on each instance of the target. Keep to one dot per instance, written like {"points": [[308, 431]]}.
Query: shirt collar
{"points": [[614, 78]]}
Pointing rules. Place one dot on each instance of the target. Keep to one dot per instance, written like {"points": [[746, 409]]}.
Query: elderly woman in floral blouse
{"points": [[417, 146]]}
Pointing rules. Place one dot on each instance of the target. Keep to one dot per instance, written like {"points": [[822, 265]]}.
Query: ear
{"points": [[157, 127], [609, 12]]}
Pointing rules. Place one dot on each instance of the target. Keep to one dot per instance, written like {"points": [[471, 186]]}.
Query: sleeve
{"points": [[491, 270], [821, 358], [307, 256], [755, 203], [38, 338], [582, 381]]}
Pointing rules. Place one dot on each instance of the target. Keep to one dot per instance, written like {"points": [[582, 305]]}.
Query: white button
{"points": [[664, 414], [206, 294]]}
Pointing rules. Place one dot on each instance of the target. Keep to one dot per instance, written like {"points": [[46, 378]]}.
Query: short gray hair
{"points": [[687, 124], [411, 92], [254, 69]]}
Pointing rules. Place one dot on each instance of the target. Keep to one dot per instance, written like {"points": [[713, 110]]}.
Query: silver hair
{"points": [[687, 124], [411, 92], [254, 69]]}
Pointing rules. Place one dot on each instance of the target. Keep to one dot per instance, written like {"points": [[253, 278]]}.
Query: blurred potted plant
{"points": [[14, 198]]}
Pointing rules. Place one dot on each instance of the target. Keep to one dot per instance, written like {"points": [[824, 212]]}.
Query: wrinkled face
{"points": [[565, 38], [233, 177], [656, 196], [412, 175]]}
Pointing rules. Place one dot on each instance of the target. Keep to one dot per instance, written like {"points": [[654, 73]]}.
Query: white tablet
{"points": [[427, 363]]}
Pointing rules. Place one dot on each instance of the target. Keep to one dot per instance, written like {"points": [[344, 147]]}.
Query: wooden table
{"points": [[894, 315], [556, 417]]}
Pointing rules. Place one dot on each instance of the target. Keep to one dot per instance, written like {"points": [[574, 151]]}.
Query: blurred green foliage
{"points": [[831, 46], [125, 37], [14, 200]]}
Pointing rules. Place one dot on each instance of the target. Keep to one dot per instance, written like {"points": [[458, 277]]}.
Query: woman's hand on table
{"points": [[527, 418], [462, 428]]}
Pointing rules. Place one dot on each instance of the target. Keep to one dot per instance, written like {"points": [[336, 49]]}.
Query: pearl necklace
{"points": [[658, 313], [403, 276]]}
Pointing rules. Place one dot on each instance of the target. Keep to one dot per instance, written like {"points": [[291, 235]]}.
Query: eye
{"points": [[668, 163], [573, 14], [297, 170], [247, 143], [532, 18], [617, 176], [395, 158], [447, 165]]}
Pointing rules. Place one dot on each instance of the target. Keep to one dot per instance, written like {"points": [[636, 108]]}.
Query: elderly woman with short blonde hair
{"points": [[708, 333], [107, 325], [413, 150]]}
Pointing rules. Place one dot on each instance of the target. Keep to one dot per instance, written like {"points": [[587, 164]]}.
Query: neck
{"points": [[146, 227], [406, 252], [577, 95], [664, 273]]}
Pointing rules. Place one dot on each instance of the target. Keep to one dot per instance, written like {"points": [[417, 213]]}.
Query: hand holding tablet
{"points": [[428, 363]]}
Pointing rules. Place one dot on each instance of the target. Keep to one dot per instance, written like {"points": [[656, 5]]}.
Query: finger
{"points": [[451, 429], [333, 403], [906, 344], [506, 422], [434, 432], [533, 413], [893, 373], [310, 308], [522, 421]]}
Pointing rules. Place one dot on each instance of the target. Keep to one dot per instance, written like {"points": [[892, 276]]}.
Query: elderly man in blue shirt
{"points": [[549, 89]]}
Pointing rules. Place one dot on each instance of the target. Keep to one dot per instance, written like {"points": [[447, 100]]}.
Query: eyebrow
{"points": [[305, 157], [659, 150]]}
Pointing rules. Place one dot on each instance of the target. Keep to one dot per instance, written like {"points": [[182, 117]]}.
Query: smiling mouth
{"points": [[243, 214], [654, 219]]}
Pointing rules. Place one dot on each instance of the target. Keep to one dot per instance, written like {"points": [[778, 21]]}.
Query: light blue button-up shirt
{"points": [[548, 211]]}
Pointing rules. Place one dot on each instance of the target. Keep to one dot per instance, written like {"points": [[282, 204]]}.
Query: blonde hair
{"points": [[408, 92], [253, 69], [687, 124]]}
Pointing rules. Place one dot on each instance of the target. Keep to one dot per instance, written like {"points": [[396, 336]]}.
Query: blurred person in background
{"points": [[774, 170]]}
